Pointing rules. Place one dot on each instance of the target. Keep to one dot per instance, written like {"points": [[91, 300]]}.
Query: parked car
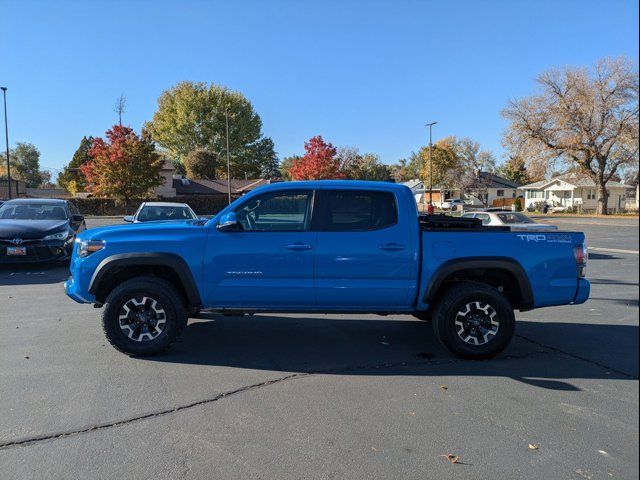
{"points": [[38, 230], [325, 246], [453, 204], [154, 211], [517, 221]]}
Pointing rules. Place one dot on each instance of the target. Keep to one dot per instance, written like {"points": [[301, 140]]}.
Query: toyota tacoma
{"points": [[325, 246]]}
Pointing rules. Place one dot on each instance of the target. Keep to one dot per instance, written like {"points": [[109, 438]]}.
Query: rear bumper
{"points": [[582, 294]]}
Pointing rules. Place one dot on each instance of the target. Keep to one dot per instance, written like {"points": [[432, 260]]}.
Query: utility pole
{"points": [[226, 118], [6, 137], [430, 125]]}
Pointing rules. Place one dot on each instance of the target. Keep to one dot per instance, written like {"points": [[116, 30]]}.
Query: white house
{"points": [[499, 191], [573, 191], [496, 188]]}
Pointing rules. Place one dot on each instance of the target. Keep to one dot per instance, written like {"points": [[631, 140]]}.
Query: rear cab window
{"points": [[359, 210]]}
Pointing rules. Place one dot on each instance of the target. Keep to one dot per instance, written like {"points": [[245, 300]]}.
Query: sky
{"points": [[367, 74]]}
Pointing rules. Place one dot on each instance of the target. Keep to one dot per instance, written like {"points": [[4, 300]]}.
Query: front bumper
{"points": [[582, 294], [76, 293], [37, 252]]}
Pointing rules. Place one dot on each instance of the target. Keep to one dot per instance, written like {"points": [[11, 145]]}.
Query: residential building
{"points": [[178, 186], [496, 190], [187, 186], [573, 191]]}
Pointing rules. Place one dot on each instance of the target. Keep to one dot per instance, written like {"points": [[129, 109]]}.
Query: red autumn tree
{"points": [[122, 166], [318, 163]]}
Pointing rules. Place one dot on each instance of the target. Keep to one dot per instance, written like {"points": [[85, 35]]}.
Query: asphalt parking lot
{"points": [[324, 396]]}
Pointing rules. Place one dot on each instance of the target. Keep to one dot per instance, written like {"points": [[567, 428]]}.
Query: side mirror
{"points": [[77, 218], [228, 223], [128, 218]]}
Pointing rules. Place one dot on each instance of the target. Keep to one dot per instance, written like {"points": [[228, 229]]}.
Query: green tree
{"points": [[71, 179], [25, 164], [368, 167], [515, 169], [286, 164], [445, 163], [200, 164], [192, 116], [407, 168]]}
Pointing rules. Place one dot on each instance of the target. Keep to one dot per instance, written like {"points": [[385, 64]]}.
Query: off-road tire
{"points": [[454, 302], [161, 291]]}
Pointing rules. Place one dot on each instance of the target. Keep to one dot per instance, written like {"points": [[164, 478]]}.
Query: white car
{"points": [[516, 220], [155, 211], [452, 204]]}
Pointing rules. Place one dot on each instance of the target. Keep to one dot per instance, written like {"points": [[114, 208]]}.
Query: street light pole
{"points": [[430, 125], [226, 118], [6, 137]]}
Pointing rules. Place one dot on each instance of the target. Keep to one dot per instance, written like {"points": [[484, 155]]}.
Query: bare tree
{"points": [[581, 118], [120, 107]]}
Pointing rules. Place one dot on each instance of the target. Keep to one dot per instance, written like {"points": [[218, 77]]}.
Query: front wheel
{"points": [[143, 316], [474, 320]]}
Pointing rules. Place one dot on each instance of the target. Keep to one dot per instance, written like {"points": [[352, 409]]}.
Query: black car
{"points": [[38, 230]]}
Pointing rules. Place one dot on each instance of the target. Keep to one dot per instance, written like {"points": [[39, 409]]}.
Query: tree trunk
{"points": [[603, 196]]}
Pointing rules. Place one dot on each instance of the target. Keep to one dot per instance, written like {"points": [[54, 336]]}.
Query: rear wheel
{"points": [[143, 316], [474, 320]]}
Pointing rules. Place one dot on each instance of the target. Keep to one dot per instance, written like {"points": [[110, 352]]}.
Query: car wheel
{"points": [[143, 316], [474, 320]]}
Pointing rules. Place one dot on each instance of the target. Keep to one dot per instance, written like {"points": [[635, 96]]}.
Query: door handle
{"points": [[298, 246], [391, 247]]}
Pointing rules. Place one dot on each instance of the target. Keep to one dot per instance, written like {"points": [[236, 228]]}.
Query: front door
{"points": [[364, 252], [269, 262]]}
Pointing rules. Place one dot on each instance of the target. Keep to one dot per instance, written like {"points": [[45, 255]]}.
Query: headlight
{"points": [[87, 247], [57, 236]]}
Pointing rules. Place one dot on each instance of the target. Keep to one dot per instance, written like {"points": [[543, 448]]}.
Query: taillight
{"points": [[581, 254]]}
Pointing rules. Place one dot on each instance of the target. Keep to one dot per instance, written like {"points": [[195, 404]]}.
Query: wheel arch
{"points": [[120, 267], [503, 273]]}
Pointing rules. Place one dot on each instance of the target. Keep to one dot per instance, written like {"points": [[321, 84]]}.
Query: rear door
{"points": [[269, 263], [364, 252]]}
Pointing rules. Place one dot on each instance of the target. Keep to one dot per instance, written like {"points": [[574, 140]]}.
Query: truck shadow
{"points": [[370, 345], [33, 274]]}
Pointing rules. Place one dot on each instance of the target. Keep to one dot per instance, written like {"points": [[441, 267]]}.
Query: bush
{"points": [[518, 204], [537, 206]]}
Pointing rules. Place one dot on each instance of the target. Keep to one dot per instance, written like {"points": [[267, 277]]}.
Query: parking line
{"points": [[614, 250]]}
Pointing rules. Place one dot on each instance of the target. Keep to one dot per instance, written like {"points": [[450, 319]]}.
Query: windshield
{"points": [[514, 218], [32, 211], [152, 213]]}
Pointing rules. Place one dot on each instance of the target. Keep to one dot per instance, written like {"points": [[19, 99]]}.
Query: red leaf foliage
{"points": [[318, 163]]}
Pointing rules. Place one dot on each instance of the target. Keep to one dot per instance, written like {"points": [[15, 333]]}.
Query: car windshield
{"points": [[514, 218], [32, 211], [152, 212]]}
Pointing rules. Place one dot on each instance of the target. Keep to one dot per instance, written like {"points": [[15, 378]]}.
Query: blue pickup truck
{"points": [[325, 246]]}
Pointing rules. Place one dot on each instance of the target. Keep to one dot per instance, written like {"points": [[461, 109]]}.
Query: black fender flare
{"points": [[479, 263], [170, 260]]}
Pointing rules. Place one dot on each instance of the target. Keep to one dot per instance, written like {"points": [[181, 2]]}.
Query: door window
{"points": [[358, 210], [276, 212], [484, 217]]}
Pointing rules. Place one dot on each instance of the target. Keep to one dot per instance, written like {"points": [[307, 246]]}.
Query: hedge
{"points": [[201, 204]]}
